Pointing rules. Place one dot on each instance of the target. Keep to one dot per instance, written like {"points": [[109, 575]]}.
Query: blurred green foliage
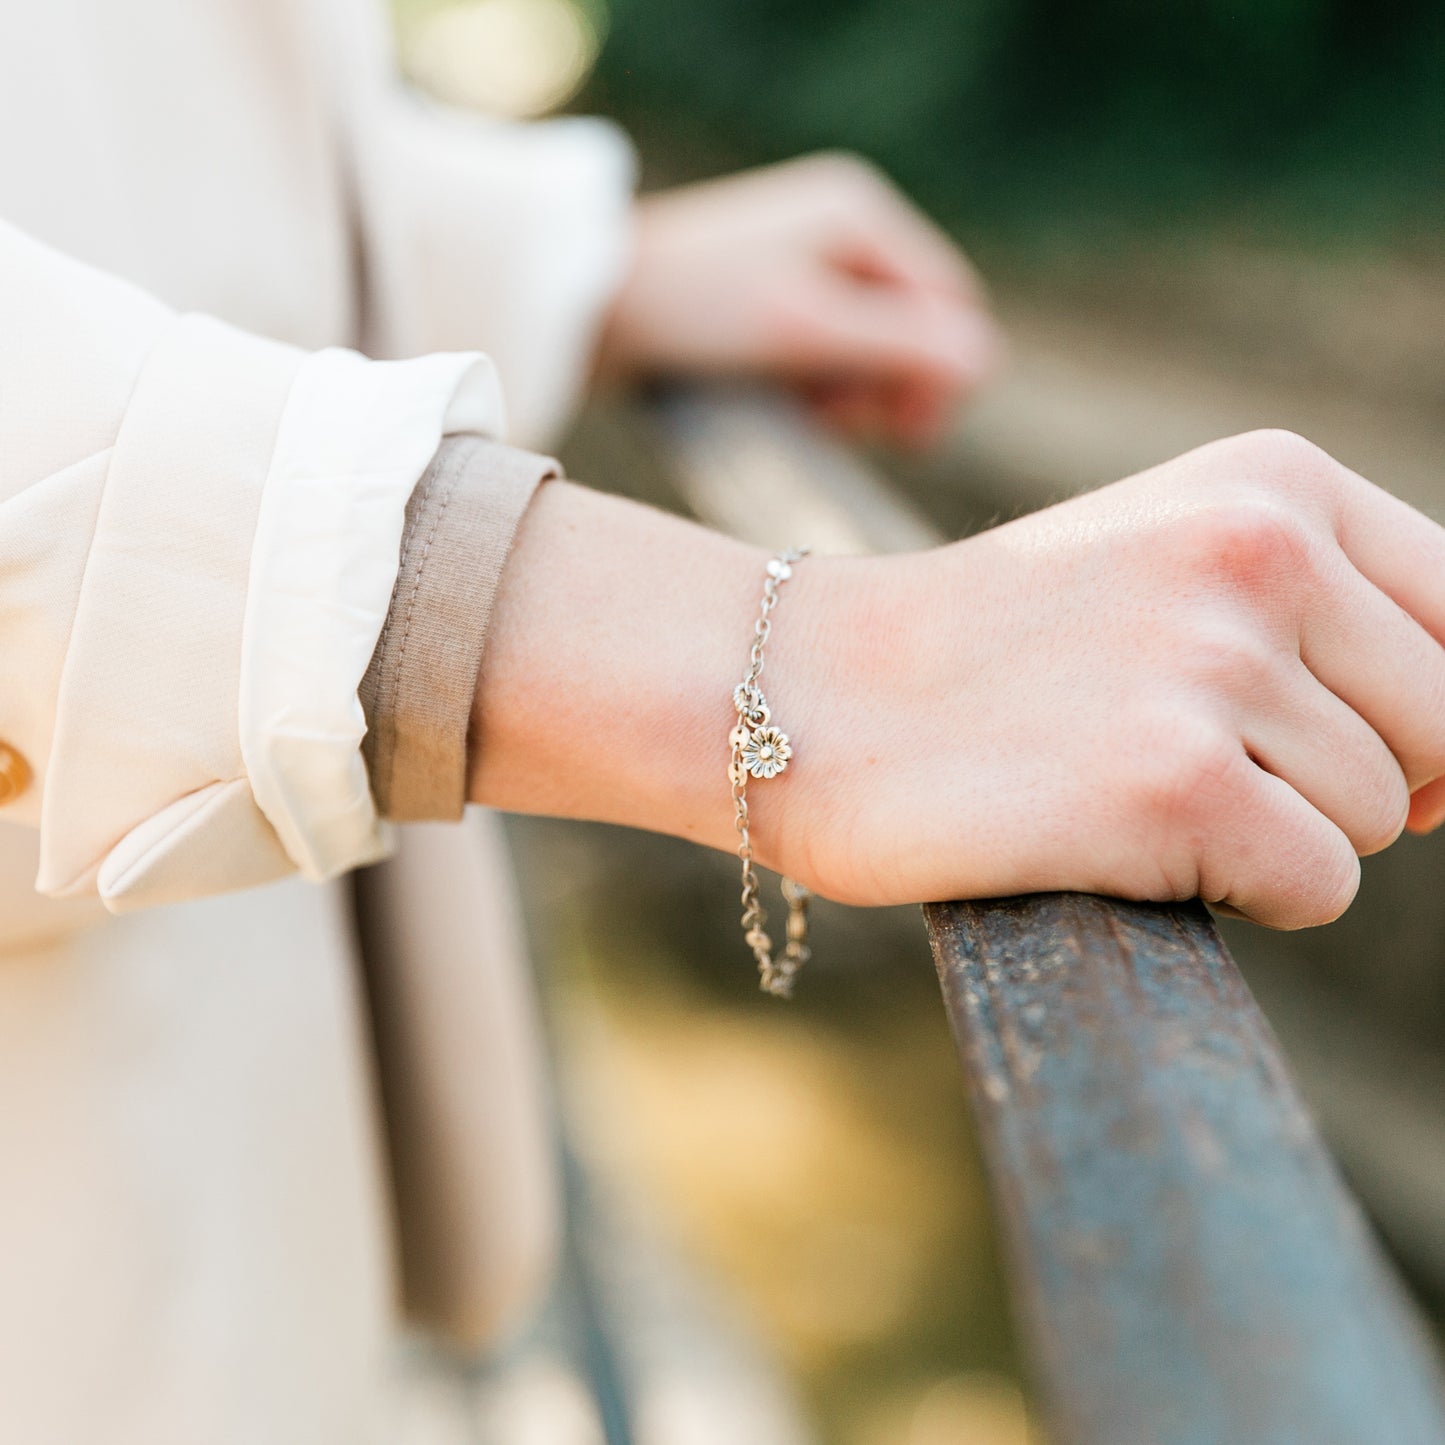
{"points": [[1077, 118]]}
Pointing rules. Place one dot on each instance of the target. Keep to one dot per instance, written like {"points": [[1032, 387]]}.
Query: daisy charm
{"points": [[766, 752]]}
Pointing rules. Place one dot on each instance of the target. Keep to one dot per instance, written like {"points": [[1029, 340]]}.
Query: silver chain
{"points": [[760, 750]]}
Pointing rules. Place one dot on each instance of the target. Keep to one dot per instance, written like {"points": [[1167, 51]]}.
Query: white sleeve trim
{"points": [[354, 438]]}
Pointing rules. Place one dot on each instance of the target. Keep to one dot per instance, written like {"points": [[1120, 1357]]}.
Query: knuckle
{"points": [[1278, 452], [1288, 465], [1383, 813], [1427, 759], [798, 330], [1250, 540], [1229, 658], [1432, 701], [1299, 876], [850, 174], [1309, 879], [1331, 880], [1189, 771]]}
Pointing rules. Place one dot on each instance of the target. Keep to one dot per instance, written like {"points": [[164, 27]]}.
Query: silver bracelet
{"points": [[760, 750]]}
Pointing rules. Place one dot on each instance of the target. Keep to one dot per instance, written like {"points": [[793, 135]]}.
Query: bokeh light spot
{"points": [[514, 58]]}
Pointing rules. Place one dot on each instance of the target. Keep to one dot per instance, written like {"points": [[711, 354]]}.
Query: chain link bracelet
{"points": [[760, 750]]}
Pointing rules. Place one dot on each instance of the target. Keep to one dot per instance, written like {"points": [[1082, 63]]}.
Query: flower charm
{"points": [[766, 752]]}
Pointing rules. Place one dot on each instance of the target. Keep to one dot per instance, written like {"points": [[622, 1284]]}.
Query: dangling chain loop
{"points": [[760, 750]]}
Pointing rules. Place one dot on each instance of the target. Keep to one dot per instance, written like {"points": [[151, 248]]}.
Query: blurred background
{"points": [[1195, 219]]}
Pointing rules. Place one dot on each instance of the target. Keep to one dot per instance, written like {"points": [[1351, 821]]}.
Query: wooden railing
{"points": [[1188, 1267]]}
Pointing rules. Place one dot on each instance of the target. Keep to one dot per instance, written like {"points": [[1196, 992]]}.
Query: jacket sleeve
{"points": [[476, 232], [199, 541], [419, 688]]}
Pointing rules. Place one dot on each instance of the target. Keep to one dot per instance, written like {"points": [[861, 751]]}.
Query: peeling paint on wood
{"points": [[1189, 1268]]}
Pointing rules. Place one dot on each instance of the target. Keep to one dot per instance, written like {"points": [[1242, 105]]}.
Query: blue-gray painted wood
{"points": [[1188, 1267]]}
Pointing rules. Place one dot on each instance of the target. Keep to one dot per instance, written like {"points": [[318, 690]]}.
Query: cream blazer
{"points": [[200, 505]]}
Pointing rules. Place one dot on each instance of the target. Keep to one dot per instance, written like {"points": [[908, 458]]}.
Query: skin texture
{"points": [[1222, 677], [816, 272]]}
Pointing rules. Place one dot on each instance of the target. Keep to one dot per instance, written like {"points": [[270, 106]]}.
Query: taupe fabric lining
{"points": [[417, 693]]}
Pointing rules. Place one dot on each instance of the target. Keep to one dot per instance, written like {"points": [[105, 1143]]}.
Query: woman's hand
{"points": [[1222, 677], [817, 272]]}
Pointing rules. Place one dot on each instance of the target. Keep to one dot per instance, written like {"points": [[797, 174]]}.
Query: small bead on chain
{"points": [[760, 750]]}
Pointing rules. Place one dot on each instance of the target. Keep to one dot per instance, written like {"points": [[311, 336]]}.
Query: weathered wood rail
{"points": [[1189, 1268]]}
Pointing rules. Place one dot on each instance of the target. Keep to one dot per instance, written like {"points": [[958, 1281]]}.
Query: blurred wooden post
{"points": [[1189, 1268]]}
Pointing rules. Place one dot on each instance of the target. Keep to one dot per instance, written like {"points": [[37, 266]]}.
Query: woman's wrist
{"points": [[605, 688], [850, 664]]}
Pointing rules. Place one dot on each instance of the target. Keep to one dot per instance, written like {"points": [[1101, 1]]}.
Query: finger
{"points": [[1306, 736], [1427, 808], [845, 329], [909, 414], [917, 414], [853, 407], [888, 238], [1278, 860], [918, 259], [1396, 547], [1371, 653], [1399, 549]]}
